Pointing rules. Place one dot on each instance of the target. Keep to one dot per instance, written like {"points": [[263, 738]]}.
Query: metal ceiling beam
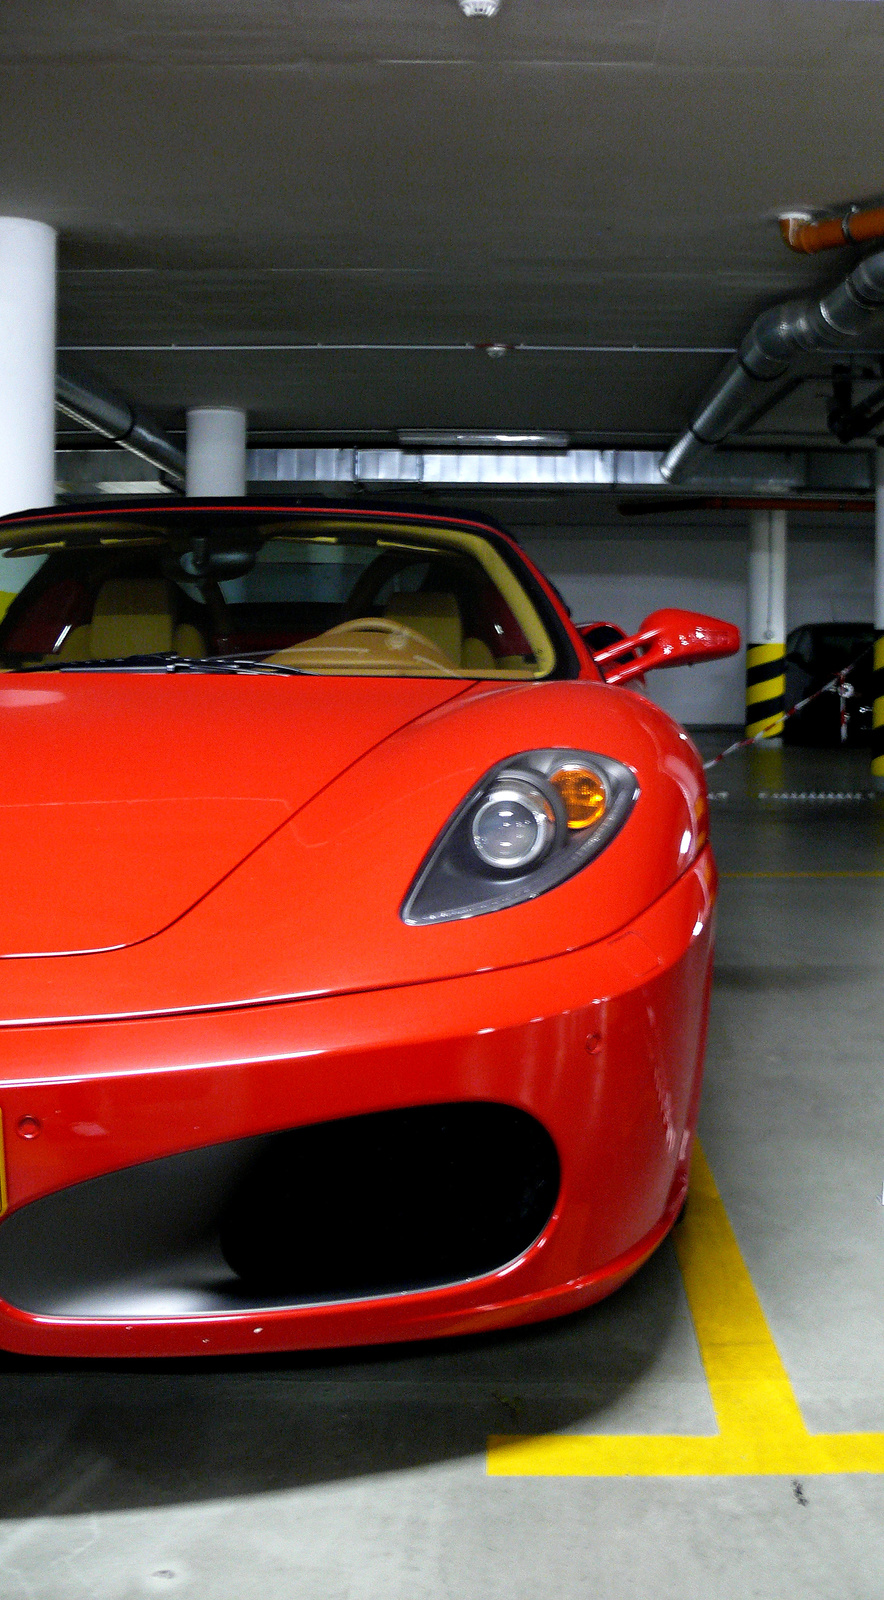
{"points": [[826, 472], [760, 471]]}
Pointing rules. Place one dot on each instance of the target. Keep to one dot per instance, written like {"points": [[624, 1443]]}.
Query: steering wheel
{"points": [[415, 647], [385, 625]]}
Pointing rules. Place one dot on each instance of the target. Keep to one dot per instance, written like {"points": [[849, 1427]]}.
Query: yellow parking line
{"points": [[761, 1429]]}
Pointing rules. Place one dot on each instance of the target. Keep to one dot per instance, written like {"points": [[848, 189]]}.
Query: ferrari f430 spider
{"points": [[356, 932]]}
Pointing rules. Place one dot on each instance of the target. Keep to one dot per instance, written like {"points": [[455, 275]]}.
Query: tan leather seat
{"points": [[187, 641], [436, 616], [132, 617]]}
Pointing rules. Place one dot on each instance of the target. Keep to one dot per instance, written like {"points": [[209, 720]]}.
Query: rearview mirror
{"points": [[205, 560], [668, 638]]}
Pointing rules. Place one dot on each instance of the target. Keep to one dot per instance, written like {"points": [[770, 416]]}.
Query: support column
{"points": [[766, 631], [27, 364], [878, 675], [216, 452]]}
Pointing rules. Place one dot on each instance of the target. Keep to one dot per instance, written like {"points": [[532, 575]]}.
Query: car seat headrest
{"points": [[132, 616]]}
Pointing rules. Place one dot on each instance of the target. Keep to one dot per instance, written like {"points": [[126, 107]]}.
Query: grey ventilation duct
{"points": [[761, 368], [108, 413]]}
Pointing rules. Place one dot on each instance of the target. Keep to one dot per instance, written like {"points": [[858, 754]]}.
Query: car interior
{"points": [[317, 604]]}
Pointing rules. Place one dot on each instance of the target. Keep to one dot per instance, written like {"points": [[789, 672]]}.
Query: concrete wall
{"points": [[621, 579]]}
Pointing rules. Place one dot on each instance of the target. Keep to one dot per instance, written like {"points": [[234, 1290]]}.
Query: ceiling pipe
{"points": [[761, 367], [855, 227], [108, 413]]}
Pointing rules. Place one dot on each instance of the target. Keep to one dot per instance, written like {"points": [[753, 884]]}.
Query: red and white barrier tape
{"points": [[838, 685]]}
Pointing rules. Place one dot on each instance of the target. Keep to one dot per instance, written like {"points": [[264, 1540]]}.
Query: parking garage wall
{"points": [[830, 578]]}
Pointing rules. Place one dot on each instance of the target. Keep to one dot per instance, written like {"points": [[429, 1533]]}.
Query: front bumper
{"points": [[602, 1045]]}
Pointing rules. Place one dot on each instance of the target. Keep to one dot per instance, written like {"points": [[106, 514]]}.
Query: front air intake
{"points": [[386, 1203], [392, 1201]]}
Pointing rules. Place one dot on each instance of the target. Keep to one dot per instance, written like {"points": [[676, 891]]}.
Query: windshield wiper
{"points": [[168, 661]]}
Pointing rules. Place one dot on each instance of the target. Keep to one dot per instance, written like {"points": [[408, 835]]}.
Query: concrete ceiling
{"points": [[318, 209]]}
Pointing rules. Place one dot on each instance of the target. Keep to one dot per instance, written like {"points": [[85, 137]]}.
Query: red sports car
{"points": [[356, 932]]}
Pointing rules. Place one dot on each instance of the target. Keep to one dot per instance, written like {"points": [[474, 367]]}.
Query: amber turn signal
{"points": [[583, 795]]}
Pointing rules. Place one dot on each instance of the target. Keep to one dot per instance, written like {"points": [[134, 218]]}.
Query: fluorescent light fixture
{"points": [[444, 439], [479, 8]]}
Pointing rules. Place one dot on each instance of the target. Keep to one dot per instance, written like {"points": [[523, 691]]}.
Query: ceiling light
{"points": [[474, 439], [479, 8]]}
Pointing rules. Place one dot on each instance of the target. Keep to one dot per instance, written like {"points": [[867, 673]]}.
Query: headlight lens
{"points": [[530, 823], [513, 826]]}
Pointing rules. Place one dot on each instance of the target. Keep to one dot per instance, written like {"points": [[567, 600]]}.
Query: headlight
{"points": [[533, 821], [514, 825]]}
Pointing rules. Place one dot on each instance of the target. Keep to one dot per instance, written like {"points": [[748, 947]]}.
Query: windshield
{"points": [[315, 596]]}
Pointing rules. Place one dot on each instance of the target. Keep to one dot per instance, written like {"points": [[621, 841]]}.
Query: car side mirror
{"points": [[668, 638]]}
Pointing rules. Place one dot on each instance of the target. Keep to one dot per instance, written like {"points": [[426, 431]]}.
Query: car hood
{"points": [[125, 798], [367, 774]]}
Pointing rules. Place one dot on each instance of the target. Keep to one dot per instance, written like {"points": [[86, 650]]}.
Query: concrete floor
{"points": [[361, 1476]]}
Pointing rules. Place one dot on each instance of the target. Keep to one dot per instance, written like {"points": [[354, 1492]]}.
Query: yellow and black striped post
{"points": [[878, 711], [766, 690]]}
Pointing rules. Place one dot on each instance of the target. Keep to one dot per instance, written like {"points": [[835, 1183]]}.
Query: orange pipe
{"points": [[854, 228]]}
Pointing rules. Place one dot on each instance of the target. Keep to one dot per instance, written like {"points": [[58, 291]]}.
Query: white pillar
{"points": [[766, 629], [767, 577], [27, 364], [216, 452]]}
